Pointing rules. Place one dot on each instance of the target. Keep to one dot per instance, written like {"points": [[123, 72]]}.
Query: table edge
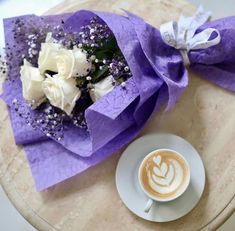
{"points": [[42, 224]]}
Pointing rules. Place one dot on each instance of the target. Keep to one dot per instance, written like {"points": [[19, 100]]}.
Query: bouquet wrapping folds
{"points": [[158, 76]]}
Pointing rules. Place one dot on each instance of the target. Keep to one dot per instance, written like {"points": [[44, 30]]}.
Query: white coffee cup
{"points": [[153, 198]]}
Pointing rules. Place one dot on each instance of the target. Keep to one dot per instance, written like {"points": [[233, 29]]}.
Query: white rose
{"points": [[46, 59], [72, 63], [32, 84], [50, 39], [101, 88], [61, 93]]}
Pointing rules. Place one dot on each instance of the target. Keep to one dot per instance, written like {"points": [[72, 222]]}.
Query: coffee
{"points": [[164, 174]]}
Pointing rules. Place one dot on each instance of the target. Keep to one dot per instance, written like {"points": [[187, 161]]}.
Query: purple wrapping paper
{"points": [[217, 64], [159, 75]]}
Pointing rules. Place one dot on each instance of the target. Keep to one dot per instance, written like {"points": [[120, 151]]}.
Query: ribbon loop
{"points": [[181, 35]]}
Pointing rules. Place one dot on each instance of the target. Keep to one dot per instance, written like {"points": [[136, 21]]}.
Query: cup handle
{"points": [[148, 205]]}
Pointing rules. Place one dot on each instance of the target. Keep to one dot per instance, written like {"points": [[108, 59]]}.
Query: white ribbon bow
{"points": [[181, 34]]}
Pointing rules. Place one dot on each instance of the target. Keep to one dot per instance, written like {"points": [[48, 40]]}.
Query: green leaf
{"points": [[99, 74], [103, 54], [111, 45]]}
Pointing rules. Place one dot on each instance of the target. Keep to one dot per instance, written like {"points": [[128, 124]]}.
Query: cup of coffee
{"points": [[164, 175]]}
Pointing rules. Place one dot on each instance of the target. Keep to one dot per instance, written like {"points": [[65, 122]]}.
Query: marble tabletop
{"points": [[89, 201]]}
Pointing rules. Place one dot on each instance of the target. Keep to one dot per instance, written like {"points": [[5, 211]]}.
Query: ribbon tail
{"points": [[201, 40], [198, 19]]}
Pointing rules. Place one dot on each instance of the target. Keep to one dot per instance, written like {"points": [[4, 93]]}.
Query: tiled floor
{"points": [[10, 219]]}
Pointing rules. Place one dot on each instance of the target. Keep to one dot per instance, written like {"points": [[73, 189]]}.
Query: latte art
{"points": [[164, 174], [164, 177]]}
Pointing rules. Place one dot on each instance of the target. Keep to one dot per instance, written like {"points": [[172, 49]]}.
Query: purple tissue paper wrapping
{"points": [[159, 76]]}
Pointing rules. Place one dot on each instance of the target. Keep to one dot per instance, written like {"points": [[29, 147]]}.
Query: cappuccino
{"points": [[164, 174]]}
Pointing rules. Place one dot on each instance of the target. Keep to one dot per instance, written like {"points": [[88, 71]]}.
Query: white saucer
{"points": [[127, 178]]}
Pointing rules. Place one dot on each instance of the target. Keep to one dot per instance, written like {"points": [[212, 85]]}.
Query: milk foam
{"points": [[164, 176]]}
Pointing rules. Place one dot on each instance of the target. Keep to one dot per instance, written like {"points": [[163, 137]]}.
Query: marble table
{"points": [[89, 201]]}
